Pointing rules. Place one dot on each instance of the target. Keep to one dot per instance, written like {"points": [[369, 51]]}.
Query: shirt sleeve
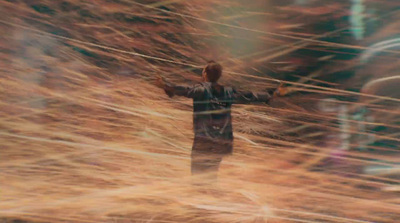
{"points": [[183, 90], [246, 97]]}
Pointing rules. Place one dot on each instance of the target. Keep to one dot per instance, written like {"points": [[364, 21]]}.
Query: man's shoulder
{"points": [[228, 89], [209, 85], [199, 86], [206, 86]]}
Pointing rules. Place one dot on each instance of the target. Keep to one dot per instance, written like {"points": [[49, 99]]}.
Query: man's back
{"points": [[212, 112], [212, 121]]}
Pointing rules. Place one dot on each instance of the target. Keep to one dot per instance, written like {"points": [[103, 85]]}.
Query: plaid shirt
{"points": [[212, 109]]}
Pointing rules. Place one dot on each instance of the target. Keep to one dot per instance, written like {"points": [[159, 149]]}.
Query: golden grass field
{"points": [[86, 136]]}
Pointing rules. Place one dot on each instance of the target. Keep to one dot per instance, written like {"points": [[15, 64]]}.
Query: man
{"points": [[212, 120]]}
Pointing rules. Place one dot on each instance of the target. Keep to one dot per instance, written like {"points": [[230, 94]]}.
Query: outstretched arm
{"points": [[245, 97], [179, 90]]}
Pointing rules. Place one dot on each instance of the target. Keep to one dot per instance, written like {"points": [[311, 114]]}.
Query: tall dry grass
{"points": [[86, 136]]}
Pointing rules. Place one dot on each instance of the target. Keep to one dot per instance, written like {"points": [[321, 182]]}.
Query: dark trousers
{"points": [[207, 156], [205, 162]]}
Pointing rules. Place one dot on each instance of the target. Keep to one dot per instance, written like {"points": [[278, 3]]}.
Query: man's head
{"points": [[212, 72]]}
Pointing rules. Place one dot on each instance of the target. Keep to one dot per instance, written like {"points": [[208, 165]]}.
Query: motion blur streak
{"points": [[86, 136]]}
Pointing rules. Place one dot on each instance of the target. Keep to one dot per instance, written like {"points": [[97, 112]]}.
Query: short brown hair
{"points": [[213, 71]]}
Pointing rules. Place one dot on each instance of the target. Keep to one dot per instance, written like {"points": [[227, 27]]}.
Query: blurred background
{"points": [[87, 137]]}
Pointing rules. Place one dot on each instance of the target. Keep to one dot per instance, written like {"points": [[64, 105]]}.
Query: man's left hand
{"points": [[281, 90]]}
